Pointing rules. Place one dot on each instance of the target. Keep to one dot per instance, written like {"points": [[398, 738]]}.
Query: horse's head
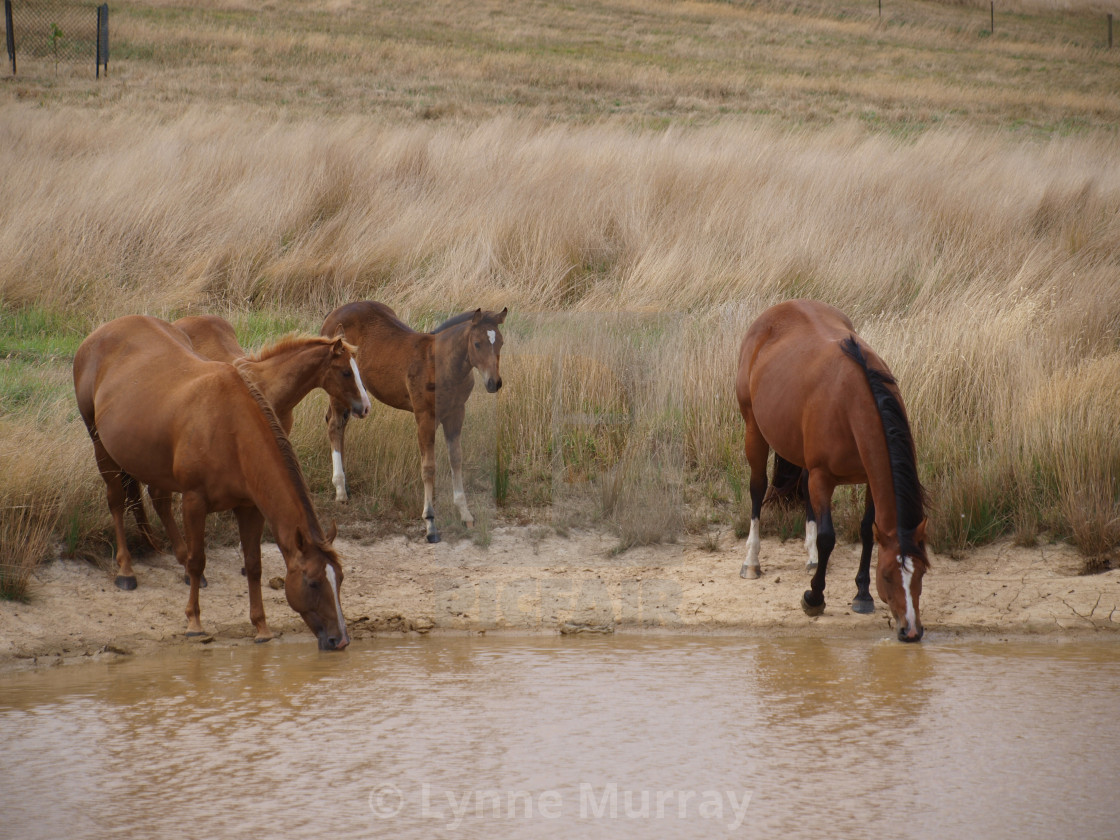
{"points": [[484, 346], [312, 586], [899, 578], [342, 380]]}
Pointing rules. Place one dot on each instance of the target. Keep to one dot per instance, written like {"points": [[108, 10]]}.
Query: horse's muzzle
{"points": [[327, 642], [494, 385], [905, 636]]}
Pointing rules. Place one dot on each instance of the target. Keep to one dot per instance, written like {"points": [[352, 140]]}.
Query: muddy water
{"points": [[518, 737]]}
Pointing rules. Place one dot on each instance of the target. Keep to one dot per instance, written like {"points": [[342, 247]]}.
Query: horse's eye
{"points": [[313, 585], [477, 345], [348, 374]]}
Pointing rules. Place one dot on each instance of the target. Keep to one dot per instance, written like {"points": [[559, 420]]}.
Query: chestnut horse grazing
{"points": [[809, 388], [164, 416], [429, 374]]}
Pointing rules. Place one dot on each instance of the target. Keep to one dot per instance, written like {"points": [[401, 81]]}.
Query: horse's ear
{"points": [[501, 316], [339, 346], [920, 533], [476, 316], [333, 531]]}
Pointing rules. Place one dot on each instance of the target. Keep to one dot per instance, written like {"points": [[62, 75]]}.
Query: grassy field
{"points": [[636, 181]]}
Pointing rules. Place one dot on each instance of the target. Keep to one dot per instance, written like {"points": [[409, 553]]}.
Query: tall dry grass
{"points": [[985, 271], [636, 182]]}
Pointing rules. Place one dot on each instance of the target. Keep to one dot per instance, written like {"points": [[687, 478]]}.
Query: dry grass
{"points": [[636, 182]]}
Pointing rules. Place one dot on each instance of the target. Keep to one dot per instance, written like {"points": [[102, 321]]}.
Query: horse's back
{"points": [[212, 337], [389, 351], [364, 317], [797, 385], [154, 402]]}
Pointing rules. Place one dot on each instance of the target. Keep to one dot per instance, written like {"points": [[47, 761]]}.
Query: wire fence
{"points": [[56, 31]]}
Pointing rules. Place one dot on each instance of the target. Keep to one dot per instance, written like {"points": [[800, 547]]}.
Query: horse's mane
{"points": [[292, 340], [291, 462], [910, 495], [454, 321]]}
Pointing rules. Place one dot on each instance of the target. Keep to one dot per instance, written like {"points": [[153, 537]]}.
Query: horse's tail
{"points": [[785, 487]]}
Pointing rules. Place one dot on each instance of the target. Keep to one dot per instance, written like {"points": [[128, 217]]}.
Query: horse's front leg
{"points": [[426, 434], [194, 524], [162, 502], [811, 551], [757, 450], [820, 497], [337, 417], [250, 525], [452, 433], [863, 602]]}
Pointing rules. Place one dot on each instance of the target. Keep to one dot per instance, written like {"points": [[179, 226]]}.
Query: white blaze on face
{"points": [[334, 591], [907, 581], [361, 390], [492, 335]]}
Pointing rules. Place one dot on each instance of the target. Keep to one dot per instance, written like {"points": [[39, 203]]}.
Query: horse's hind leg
{"points": [[337, 417], [112, 475], [426, 434], [757, 450], [820, 497], [250, 525], [452, 429], [863, 602]]}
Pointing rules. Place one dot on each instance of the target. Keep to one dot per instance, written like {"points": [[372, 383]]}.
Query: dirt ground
{"points": [[529, 579]]}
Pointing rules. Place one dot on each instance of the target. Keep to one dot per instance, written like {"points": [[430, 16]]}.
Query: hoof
{"points": [[126, 582], [433, 538], [202, 583], [195, 634], [750, 572], [262, 640], [807, 603], [863, 606], [810, 567]]}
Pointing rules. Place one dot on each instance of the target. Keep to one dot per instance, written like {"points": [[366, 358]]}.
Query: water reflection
{"points": [[626, 736]]}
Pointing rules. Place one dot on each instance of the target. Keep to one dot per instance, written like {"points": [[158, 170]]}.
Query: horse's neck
{"points": [[449, 350], [287, 377], [279, 492]]}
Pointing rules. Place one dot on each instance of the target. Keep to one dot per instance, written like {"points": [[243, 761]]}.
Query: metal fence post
{"points": [[11, 34], [102, 38]]}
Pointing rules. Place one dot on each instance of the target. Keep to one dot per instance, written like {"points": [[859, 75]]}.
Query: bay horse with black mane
{"points": [[285, 372], [812, 390], [429, 374], [162, 415]]}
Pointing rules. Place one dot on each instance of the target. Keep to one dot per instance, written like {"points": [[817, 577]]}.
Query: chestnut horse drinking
{"points": [[285, 373], [812, 390], [179, 423], [429, 374]]}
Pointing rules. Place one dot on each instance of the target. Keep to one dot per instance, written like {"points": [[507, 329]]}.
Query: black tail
{"points": [[785, 487]]}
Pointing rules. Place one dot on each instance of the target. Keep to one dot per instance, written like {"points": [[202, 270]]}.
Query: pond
{"points": [[632, 736]]}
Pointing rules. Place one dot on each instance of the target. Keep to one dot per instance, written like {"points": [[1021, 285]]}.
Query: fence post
{"points": [[993, 17], [102, 38], [11, 34]]}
